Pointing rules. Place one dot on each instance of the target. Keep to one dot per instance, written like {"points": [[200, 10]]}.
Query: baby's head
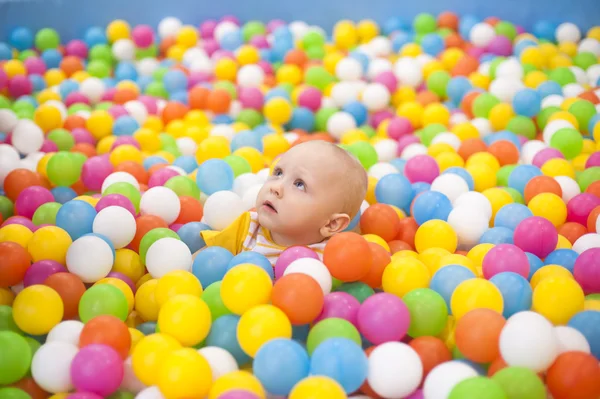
{"points": [[313, 192]]}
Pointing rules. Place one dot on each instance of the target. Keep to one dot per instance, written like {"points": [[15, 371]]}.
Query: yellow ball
{"points": [[436, 113], [483, 175], [150, 354], [558, 167], [567, 102], [317, 387], [435, 234], [477, 253], [125, 153], [117, 29], [122, 286], [185, 374], [37, 309], [48, 118], [175, 283], [432, 257], [465, 131], [432, 66], [226, 69], [439, 148], [548, 271], [498, 197], [197, 117], [128, 85], [549, 206], [483, 158], [564, 115], [475, 293], [196, 133], [289, 74], [148, 140], [144, 279], [405, 253], [533, 56], [354, 135], [252, 156], [81, 76], [7, 297], [54, 77], [49, 242], [403, 275], [136, 336], [16, 233], [145, 300], [186, 318], [90, 200], [247, 54], [14, 68], [212, 147], [187, 36], [500, 115], [274, 144], [563, 243], [367, 30], [569, 48], [558, 299], [402, 95], [176, 128], [371, 184], [375, 239], [451, 56], [345, 35], [594, 33], [244, 287], [47, 95], [176, 52], [413, 111], [449, 160], [411, 50], [105, 144], [278, 110], [456, 259], [261, 324], [236, 380], [535, 78], [480, 80], [99, 124]]}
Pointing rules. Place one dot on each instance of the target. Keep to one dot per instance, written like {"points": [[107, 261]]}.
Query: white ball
{"points": [[528, 340], [223, 28], [377, 66], [381, 169], [339, 123], [483, 126], [8, 120], [580, 75], [220, 361], [457, 118], [381, 46], [451, 185], [222, 208], [444, 377], [476, 202], [408, 72], [162, 202], [223, 130], [482, 34], [505, 88], [27, 137], [299, 29], [348, 69], [166, 255], [589, 45], [116, 223], [468, 224], [553, 100], [567, 32], [447, 138], [244, 181], [186, 145], [204, 65], [119, 177], [573, 90], [344, 92], [313, 268], [51, 366], [395, 381], [376, 97], [9, 160], [137, 110], [593, 74], [570, 339], [147, 66], [192, 54], [424, 59], [130, 381], [177, 169], [250, 196], [90, 258], [66, 331], [586, 241], [510, 68], [124, 50], [530, 149], [93, 88], [364, 206], [263, 174], [569, 187], [485, 68], [150, 393], [168, 27], [554, 127], [387, 149], [250, 76], [412, 150]]}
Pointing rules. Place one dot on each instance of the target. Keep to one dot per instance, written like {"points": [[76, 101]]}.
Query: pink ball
{"points": [[117, 111], [520, 29], [593, 160], [251, 97], [150, 104], [231, 18], [30, 199], [421, 168], [82, 135], [160, 177], [175, 227], [77, 48], [418, 394], [266, 67], [94, 171], [388, 79], [398, 127], [23, 221], [125, 140], [505, 258], [207, 29], [291, 254], [405, 141], [536, 235], [123, 278], [274, 24], [260, 42], [340, 305], [20, 86], [116, 200], [476, 52], [41, 270], [196, 78], [380, 116], [580, 207], [310, 98], [76, 98], [545, 155], [49, 146], [108, 94], [143, 36], [97, 369], [3, 79], [84, 395], [35, 66], [383, 318], [238, 394], [587, 270], [500, 45], [210, 46]]}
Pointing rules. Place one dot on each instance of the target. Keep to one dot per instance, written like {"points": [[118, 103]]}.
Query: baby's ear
{"points": [[337, 223]]}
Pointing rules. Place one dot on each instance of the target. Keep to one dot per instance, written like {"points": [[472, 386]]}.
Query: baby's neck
{"points": [[286, 241]]}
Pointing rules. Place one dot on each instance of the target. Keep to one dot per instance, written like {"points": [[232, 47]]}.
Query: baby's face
{"points": [[303, 191]]}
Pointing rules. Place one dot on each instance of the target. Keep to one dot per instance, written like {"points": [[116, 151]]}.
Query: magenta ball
{"points": [[98, 369], [143, 36], [536, 235], [340, 305], [207, 29], [291, 254], [500, 45], [49, 146], [20, 86], [237, 394], [587, 270], [84, 395], [94, 171], [405, 141], [399, 127], [251, 97], [78, 48], [23, 221], [545, 155], [421, 168], [580, 207], [108, 95], [210, 46], [123, 278], [117, 111], [310, 98], [115, 200], [175, 227], [593, 160], [150, 104], [388, 79], [383, 318], [76, 98], [259, 41], [3, 79], [505, 258], [418, 394], [82, 135], [161, 176], [266, 67], [41, 270], [35, 66], [125, 140], [30, 199], [380, 116]]}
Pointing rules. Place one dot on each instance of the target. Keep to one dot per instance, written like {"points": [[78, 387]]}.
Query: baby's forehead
{"points": [[321, 162]]}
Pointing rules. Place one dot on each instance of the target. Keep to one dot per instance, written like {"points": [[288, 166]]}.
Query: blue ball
{"points": [[534, 264], [210, 265], [253, 258], [221, 118], [511, 215], [190, 235], [67, 87], [420, 187], [497, 235], [563, 257], [446, 279], [109, 82], [126, 71], [187, 163], [342, 360], [277, 92], [354, 222], [280, 48], [283, 33], [214, 175], [232, 40], [505, 135], [153, 160], [94, 35], [432, 44], [588, 323], [302, 118], [358, 111], [527, 102], [63, 194], [545, 30], [592, 123], [464, 174], [106, 240], [516, 292], [147, 328], [457, 88], [37, 82], [125, 126], [52, 58], [549, 88], [266, 55], [520, 176], [76, 218], [175, 80], [247, 138], [21, 38], [393, 24], [223, 334], [280, 364], [399, 164], [394, 189], [431, 205], [465, 25], [5, 52], [400, 39]]}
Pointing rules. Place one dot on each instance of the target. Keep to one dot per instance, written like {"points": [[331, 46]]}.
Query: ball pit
{"points": [[471, 269]]}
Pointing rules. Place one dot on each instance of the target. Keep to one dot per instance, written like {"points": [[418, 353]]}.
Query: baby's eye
{"points": [[277, 172], [300, 185]]}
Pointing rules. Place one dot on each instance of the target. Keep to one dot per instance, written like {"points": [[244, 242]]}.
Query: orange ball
{"points": [[31, 387], [381, 258], [572, 231], [166, 44], [470, 147], [477, 335], [348, 256], [574, 375], [18, 180], [541, 184], [85, 148], [314, 136], [594, 189], [427, 97], [198, 97], [143, 225], [399, 245], [219, 101], [505, 152], [124, 95], [108, 330], [191, 210], [174, 110], [448, 20], [79, 187], [453, 40], [408, 229], [466, 104], [591, 221], [71, 289], [432, 351], [465, 66], [296, 57], [74, 121], [381, 220], [134, 169], [496, 366], [299, 296], [492, 20], [71, 64], [14, 262]]}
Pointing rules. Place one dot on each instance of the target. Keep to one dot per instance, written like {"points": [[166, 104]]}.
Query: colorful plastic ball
{"points": [[574, 373], [244, 287], [299, 296], [475, 293], [149, 355], [511, 215], [436, 234], [331, 328], [477, 335], [167, 254], [394, 189], [447, 278], [261, 324], [558, 299], [550, 207], [30, 199], [469, 225], [475, 387], [536, 235], [186, 318], [516, 292], [421, 168], [222, 208], [290, 255], [375, 317], [405, 274], [186, 373], [90, 258], [381, 377], [428, 312], [280, 364], [520, 382], [505, 258], [347, 256], [103, 299], [76, 218], [37, 309], [340, 305], [313, 268], [51, 366], [16, 357], [161, 202], [443, 378], [98, 369], [14, 264], [584, 322], [106, 330], [117, 224]]}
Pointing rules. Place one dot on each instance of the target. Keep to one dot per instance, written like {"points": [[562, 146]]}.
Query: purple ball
{"points": [[116, 200], [500, 45], [340, 305], [291, 254], [237, 394], [161, 176], [383, 318], [587, 270], [545, 155], [97, 369], [593, 160], [536, 235], [175, 226], [23, 221], [41, 270], [30, 199], [94, 171], [505, 258]]}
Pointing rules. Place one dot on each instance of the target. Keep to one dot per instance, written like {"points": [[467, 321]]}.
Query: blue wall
{"points": [[71, 17]]}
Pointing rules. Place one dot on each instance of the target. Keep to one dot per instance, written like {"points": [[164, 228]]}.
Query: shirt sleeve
{"points": [[232, 237]]}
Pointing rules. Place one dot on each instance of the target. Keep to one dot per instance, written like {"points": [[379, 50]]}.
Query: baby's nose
{"points": [[277, 189]]}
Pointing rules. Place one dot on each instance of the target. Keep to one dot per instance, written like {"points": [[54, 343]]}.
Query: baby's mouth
{"points": [[269, 206]]}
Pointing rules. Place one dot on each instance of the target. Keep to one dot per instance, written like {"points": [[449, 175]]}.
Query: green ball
{"points": [[588, 176], [98, 69], [78, 107], [563, 76], [365, 152], [516, 196], [13, 393], [103, 299], [212, 296], [331, 328], [229, 87], [63, 169], [568, 141], [47, 39], [477, 388], [166, 140], [369, 130], [528, 68], [424, 23], [4, 102], [585, 60], [7, 323], [523, 126], [157, 89], [483, 104], [545, 114], [23, 105], [437, 82], [358, 290], [506, 29], [503, 174], [148, 52], [34, 345], [25, 114], [151, 237], [122, 395], [429, 132], [253, 28], [520, 383], [318, 77], [313, 38], [457, 354], [159, 73], [126, 189], [24, 55], [102, 52], [7, 208], [183, 186], [315, 52], [494, 66], [16, 357], [238, 164], [335, 284], [104, 106], [62, 138], [583, 111], [322, 116], [250, 117], [46, 214], [428, 312]]}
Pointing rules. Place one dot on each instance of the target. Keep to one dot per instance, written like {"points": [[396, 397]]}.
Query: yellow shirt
{"points": [[246, 234]]}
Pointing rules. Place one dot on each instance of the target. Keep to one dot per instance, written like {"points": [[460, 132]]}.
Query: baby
{"points": [[313, 192]]}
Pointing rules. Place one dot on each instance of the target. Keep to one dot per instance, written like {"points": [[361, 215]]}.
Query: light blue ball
{"points": [[214, 175], [280, 364], [358, 111], [520, 176], [497, 235], [21, 38], [67, 87], [431, 205], [511, 215], [515, 290], [446, 279], [126, 71], [253, 258], [522, 45], [432, 44], [505, 135], [187, 163], [564, 257], [52, 58], [394, 189], [63, 194], [549, 88], [277, 92], [527, 102], [223, 334], [232, 40], [175, 80], [400, 39], [399, 164], [362, 58], [180, 96], [247, 138], [535, 264], [38, 82], [342, 360], [221, 119], [190, 235], [210, 265], [125, 126], [545, 30], [94, 35], [588, 323], [153, 160], [457, 88], [420, 187], [302, 118], [76, 218]]}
